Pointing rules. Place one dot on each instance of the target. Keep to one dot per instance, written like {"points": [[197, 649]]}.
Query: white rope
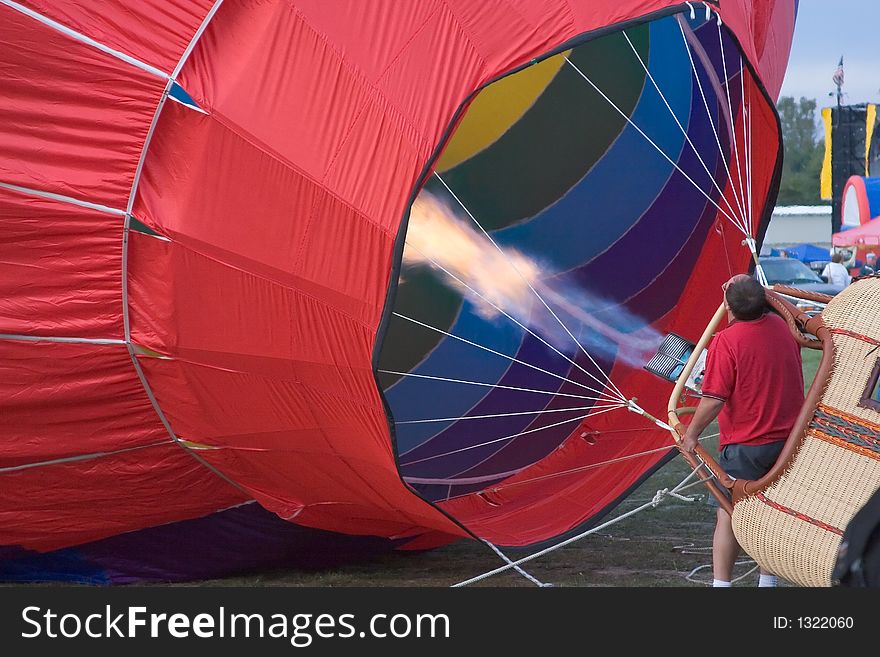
{"points": [[711, 121], [690, 576], [62, 199], [759, 270], [591, 466], [651, 141], [510, 437], [531, 287], [511, 414], [55, 338], [503, 355], [82, 38], [680, 126], [502, 311], [633, 407], [490, 385], [521, 571], [749, 156], [578, 537], [563, 473], [726, 86]]}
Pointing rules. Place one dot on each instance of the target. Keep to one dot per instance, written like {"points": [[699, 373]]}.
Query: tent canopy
{"points": [[807, 253], [865, 235]]}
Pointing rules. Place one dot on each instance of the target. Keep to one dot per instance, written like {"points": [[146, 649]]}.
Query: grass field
{"points": [[660, 546]]}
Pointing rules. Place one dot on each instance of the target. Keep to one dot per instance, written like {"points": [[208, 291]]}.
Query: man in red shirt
{"points": [[754, 385]]}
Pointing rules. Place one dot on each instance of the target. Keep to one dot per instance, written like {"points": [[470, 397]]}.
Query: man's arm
{"points": [[707, 410]]}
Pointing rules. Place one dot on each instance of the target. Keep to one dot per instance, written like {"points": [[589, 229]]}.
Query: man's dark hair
{"points": [[745, 298]]}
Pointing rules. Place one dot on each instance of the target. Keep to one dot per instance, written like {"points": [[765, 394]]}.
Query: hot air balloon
{"points": [[282, 277]]}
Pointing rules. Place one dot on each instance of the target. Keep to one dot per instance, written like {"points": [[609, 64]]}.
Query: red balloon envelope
{"points": [[213, 355]]}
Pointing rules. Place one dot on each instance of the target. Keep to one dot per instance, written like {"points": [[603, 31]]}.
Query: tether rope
{"points": [[583, 468], [518, 569], [661, 494], [726, 86]]}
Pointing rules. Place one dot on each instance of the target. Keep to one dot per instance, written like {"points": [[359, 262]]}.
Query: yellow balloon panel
{"points": [[496, 108]]}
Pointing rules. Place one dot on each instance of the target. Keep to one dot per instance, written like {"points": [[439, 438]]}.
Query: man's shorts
{"points": [[743, 461]]}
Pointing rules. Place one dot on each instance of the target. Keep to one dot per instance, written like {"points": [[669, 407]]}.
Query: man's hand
{"points": [[690, 441], [707, 410]]}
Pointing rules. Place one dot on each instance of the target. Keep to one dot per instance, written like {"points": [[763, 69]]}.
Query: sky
{"points": [[825, 30]]}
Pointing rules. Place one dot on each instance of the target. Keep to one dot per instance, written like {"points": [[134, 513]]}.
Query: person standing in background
{"points": [[835, 273], [870, 266]]}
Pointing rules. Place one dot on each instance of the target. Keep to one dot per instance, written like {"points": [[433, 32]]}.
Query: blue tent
{"points": [[808, 253]]}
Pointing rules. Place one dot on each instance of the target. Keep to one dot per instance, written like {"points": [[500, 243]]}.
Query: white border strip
{"points": [[61, 198], [198, 35], [84, 39], [128, 216], [55, 338], [81, 457]]}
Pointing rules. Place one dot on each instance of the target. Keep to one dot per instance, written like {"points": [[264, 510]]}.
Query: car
{"points": [[794, 273]]}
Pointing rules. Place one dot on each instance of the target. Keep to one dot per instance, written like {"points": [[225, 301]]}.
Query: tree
{"points": [[803, 152]]}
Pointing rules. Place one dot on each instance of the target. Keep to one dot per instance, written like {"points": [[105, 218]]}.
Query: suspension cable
{"points": [[680, 126], [503, 355], [490, 385], [512, 436], [503, 312], [709, 116], [654, 144], [531, 287]]}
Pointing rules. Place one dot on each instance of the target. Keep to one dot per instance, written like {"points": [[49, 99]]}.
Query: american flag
{"points": [[838, 74]]}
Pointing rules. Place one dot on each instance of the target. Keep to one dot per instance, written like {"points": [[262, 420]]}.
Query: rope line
{"points": [[583, 468], [726, 86], [490, 385], [711, 120], [654, 144], [503, 312], [747, 110], [521, 571], [511, 358], [681, 127], [653, 503], [532, 288], [510, 437], [511, 414]]}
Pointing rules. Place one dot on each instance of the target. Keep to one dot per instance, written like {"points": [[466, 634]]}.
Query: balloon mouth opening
{"points": [[513, 315]]}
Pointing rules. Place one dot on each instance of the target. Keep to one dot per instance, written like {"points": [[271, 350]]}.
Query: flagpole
{"points": [[838, 81]]}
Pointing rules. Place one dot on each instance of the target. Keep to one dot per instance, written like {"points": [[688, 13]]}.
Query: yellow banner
{"points": [[825, 176]]}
